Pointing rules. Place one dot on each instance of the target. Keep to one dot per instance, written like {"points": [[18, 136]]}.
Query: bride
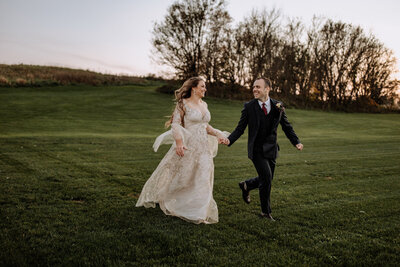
{"points": [[182, 184]]}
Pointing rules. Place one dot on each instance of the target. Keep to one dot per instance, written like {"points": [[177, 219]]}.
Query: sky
{"points": [[115, 36]]}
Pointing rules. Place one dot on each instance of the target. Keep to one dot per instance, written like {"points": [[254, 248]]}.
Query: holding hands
{"points": [[223, 140], [180, 147]]}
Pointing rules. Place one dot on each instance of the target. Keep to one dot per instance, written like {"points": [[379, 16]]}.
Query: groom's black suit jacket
{"points": [[252, 116]]}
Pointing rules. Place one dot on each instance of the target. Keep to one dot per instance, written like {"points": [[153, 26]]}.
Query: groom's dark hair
{"points": [[267, 81]]}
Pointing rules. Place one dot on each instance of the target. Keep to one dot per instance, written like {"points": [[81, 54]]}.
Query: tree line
{"points": [[330, 64]]}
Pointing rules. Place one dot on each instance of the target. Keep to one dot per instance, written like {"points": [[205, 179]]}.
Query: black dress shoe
{"points": [[245, 192], [267, 216]]}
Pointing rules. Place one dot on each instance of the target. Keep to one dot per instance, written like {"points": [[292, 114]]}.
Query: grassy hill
{"points": [[31, 75], [73, 160]]}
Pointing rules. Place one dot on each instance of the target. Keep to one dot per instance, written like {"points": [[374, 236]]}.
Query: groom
{"points": [[262, 115]]}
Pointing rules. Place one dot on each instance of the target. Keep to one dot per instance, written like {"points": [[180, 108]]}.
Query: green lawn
{"points": [[73, 161]]}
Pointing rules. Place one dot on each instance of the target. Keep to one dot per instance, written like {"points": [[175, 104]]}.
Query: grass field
{"points": [[73, 161]]}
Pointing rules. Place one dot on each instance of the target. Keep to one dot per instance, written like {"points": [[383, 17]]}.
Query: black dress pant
{"points": [[265, 168]]}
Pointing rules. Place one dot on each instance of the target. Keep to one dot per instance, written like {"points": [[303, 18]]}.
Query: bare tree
{"points": [[180, 39], [374, 77], [293, 63], [216, 44], [347, 64], [258, 40]]}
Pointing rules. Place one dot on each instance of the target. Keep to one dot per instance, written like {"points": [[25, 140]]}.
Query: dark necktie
{"points": [[264, 109]]}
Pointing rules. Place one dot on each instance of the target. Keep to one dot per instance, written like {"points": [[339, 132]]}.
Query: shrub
{"points": [[20, 82], [170, 87], [4, 81]]}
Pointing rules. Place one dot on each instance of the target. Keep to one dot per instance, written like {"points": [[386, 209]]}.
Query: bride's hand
{"points": [[223, 140], [180, 148]]}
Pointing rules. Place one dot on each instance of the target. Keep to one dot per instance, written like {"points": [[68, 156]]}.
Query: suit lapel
{"points": [[273, 106]]}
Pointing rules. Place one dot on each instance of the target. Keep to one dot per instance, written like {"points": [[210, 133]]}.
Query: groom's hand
{"points": [[299, 146]]}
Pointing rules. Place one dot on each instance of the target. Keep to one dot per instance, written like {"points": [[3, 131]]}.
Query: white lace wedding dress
{"points": [[183, 186]]}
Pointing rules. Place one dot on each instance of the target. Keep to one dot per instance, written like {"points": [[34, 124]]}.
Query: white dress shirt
{"points": [[267, 104]]}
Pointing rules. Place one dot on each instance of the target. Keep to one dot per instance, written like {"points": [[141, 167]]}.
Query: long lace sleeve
{"points": [[215, 132], [213, 135], [177, 132], [176, 125]]}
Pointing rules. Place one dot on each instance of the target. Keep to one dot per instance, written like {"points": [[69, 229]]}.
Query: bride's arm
{"points": [[176, 127], [214, 132], [222, 138], [211, 130]]}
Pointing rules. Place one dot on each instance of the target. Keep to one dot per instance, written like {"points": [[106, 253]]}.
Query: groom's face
{"points": [[260, 90]]}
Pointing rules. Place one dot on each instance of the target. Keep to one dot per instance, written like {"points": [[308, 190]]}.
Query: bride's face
{"points": [[200, 89]]}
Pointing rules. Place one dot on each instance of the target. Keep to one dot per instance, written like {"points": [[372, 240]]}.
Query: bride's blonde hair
{"points": [[184, 92]]}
